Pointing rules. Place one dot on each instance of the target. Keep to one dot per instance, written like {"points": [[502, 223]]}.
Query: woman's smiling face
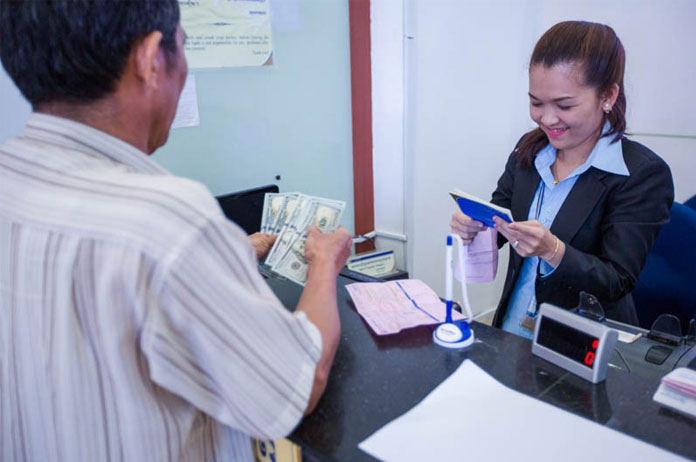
{"points": [[568, 111]]}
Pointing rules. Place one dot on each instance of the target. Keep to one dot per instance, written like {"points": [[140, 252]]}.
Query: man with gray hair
{"points": [[134, 324]]}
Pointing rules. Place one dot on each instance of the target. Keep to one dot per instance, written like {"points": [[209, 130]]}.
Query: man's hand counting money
{"points": [[262, 243], [332, 248]]}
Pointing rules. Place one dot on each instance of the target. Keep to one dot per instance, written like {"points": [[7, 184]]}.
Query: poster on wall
{"points": [[227, 33]]}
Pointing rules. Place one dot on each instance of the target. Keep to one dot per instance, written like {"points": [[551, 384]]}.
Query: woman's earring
{"points": [[607, 108]]}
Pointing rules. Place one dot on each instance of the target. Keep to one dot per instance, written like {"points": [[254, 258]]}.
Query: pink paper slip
{"points": [[389, 307], [480, 258]]}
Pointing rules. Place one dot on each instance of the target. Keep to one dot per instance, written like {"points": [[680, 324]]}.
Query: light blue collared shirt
{"points": [[606, 156]]}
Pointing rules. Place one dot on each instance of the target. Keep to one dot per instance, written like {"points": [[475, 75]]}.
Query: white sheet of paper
{"points": [[472, 416], [187, 110]]}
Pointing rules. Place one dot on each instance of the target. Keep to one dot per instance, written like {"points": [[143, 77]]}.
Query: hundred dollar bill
{"points": [[273, 203], [298, 223], [293, 228], [323, 213], [284, 213], [286, 232], [326, 215]]}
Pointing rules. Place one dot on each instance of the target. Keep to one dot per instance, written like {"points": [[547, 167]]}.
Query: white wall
{"points": [[465, 104], [387, 37], [466, 107], [291, 119], [14, 109]]}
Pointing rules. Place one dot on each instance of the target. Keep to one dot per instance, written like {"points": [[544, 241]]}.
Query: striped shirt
{"points": [[134, 324]]}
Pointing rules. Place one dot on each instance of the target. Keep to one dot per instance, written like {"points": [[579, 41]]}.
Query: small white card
{"points": [[187, 110], [376, 264]]}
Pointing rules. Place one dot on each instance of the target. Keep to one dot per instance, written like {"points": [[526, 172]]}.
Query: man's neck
{"points": [[106, 115]]}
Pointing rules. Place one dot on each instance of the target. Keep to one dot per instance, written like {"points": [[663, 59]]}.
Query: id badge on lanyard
{"points": [[530, 317]]}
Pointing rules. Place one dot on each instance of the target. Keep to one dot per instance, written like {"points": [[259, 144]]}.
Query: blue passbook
{"points": [[478, 209]]}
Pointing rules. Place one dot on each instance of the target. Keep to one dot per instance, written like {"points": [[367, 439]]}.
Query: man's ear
{"points": [[147, 60]]}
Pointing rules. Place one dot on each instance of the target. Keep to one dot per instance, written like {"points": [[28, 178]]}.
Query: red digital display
{"points": [[568, 341], [589, 358]]}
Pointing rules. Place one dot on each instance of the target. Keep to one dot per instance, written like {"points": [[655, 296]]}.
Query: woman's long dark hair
{"points": [[600, 54]]}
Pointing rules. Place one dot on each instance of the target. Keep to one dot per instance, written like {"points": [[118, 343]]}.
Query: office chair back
{"points": [[691, 203], [667, 284]]}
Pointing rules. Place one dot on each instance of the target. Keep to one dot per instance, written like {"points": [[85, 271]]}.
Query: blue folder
{"points": [[480, 210]]}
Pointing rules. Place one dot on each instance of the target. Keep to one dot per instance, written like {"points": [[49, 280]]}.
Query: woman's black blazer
{"points": [[608, 224]]}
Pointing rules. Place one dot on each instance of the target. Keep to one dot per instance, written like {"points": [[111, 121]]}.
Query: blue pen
{"points": [[449, 263]]}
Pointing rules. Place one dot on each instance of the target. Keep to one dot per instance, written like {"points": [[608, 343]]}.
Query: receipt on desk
{"points": [[389, 307], [628, 337]]}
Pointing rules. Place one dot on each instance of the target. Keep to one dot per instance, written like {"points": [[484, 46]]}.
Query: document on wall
{"points": [[227, 33], [470, 414], [389, 307], [187, 109]]}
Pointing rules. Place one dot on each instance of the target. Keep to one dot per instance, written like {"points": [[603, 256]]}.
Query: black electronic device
{"points": [[246, 207], [647, 357], [359, 277], [589, 307]]}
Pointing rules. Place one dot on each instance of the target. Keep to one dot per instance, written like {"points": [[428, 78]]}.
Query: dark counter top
{"points": [[376, 379]]}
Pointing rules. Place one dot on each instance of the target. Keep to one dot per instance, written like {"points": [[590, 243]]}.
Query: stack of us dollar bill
{"points": [[288, 215]]}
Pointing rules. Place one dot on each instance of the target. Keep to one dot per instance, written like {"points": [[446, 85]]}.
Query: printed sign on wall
{"points": [[227, 33]]}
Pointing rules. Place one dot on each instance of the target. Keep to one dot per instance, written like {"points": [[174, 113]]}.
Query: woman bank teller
{"points": [[586, 201]]}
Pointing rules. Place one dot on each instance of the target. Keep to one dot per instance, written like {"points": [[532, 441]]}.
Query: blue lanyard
{"points": [[532, 310], [539, 202]]}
